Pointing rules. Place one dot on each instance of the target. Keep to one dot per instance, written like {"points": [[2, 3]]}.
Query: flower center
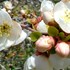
{"points": [[5, 29], [66, 16]]}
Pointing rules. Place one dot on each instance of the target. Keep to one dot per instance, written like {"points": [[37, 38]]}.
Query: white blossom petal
{"points": [[47, 17], [23, 35], [59, 12], [1, 20], [67, 4], [5, 18], [2, 41], [46, 6], [59, 62], [42, 27], [59, 6], [6, 44], [37, 63], [15, 34]]}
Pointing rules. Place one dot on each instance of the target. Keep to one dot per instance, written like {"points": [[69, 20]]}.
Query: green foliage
{"points": [[52, 51], [15, 57], [35, 35], [67, 38], [61, 35], [55, 1], [53, 31]]}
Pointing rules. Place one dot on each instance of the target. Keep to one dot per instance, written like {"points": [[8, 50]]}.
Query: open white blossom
{"points": [[62, 15], [10, 32]]}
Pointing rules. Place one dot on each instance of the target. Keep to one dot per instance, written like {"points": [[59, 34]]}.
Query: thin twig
{"points": [[28, 28]]}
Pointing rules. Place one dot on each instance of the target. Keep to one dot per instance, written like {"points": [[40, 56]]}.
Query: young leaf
{"points": [[52, 51], [61, 35], [67, 38], [35, 35], [53, 31]]}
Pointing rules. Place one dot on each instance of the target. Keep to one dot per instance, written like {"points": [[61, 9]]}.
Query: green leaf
{"points": [[52, 51], [61, 35], [55, 1], [53, 31], [67, 38], [35, 35]]}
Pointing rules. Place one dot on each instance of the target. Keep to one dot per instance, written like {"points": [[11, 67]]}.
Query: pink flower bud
{"points": [[62, 49], [69, 49], [45, 43]]}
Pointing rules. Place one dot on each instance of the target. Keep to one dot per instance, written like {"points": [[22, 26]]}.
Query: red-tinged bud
{"points": [[39, 19], [45, 43], [62, 49]]}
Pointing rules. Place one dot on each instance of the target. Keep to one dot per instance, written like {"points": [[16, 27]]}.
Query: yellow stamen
{"points": [[5, 29], [66, 17]]}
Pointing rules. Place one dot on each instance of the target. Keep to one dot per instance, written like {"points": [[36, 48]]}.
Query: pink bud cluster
{"points": [[45, 43]]}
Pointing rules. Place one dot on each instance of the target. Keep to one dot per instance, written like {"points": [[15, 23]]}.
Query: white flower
{"points": [[46, 6], [59, 62], [42, 27], [10, 32], [37, 63], [62, 15], [8, 5], [47, 11]]}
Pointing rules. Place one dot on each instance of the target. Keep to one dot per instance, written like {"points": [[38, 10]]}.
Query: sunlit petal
{"points": [[47, 17], [2, 41], [61, 18], [14, 35], [46, 6], [23, 35], [42, 27], [37, 63], [15, 32], [5, 17]]}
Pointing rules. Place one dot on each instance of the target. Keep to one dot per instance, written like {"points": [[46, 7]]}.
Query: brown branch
{"points": [[28, 28]]}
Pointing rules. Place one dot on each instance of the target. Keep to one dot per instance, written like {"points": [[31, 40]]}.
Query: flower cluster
{"points": [[55, 27]]}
